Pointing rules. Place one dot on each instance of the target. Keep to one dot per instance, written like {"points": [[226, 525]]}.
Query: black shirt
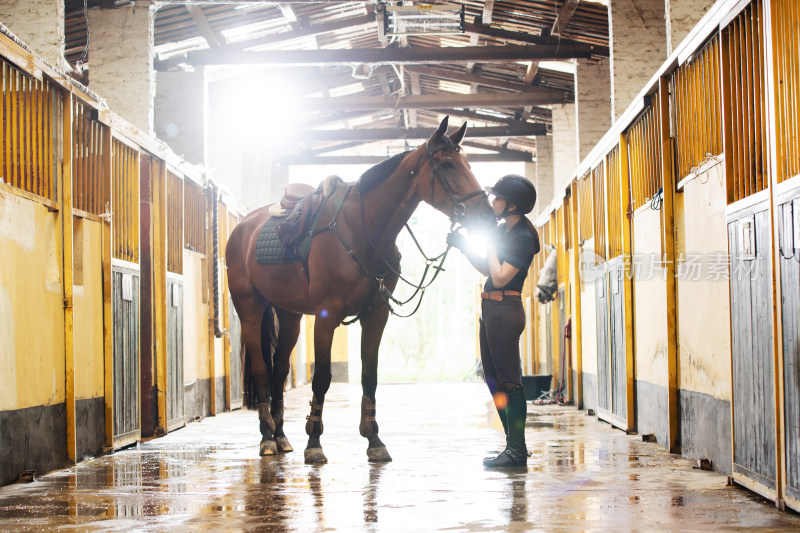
{"points": [[517, 247]]}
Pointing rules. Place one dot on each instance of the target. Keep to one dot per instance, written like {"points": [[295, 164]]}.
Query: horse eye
{"points": [[448, 165]]}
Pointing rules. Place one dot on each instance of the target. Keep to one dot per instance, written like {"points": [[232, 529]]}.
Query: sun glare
{"points": [[260, 110]]}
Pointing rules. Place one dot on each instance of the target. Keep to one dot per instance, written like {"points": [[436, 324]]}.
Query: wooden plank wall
{"points": [[126, 356], [753, 365]]}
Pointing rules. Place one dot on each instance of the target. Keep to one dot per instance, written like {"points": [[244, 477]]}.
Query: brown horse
{"points": [[347, 274]]}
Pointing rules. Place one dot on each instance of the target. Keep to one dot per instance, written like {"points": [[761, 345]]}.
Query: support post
{"points": [[65, 191], [627, 260], [577, 336], [668, 238], [108, 306]]}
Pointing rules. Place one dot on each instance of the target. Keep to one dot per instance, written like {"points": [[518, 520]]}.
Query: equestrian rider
{"points": [[510, 252]]}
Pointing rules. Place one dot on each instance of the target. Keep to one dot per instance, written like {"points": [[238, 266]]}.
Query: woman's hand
{"points": [[456, 240]]}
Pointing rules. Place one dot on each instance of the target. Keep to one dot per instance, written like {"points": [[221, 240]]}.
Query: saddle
{"points": [[285, 237]]}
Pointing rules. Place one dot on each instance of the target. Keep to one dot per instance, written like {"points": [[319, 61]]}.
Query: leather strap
{"points": [[499, 295], [315, 416]]}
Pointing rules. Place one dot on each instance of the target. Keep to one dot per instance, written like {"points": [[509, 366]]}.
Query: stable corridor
{"points": [[583, 475]]}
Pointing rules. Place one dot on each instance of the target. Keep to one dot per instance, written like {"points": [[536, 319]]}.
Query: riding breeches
{"points": [[501, 325]]}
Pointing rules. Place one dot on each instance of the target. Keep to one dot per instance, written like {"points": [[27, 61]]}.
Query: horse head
{"points": [[446, 181], [547, 287]]}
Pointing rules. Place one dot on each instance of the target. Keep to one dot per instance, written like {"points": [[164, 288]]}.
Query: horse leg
{"points": [[372, 326], [252, 315], [289, 330], [324, 326]]}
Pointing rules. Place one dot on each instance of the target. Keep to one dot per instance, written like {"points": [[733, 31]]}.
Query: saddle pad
{"points": [[270, 249]]}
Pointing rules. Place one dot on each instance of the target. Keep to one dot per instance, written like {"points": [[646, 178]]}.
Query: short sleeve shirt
{"points": [[517, 247]]}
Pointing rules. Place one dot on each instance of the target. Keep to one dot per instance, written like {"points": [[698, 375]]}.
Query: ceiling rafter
{"points": [[426, 101], [302, 159], [308, 31], [479, 28], [521, 129], [564, 15], [212, 37], [381, 56]]}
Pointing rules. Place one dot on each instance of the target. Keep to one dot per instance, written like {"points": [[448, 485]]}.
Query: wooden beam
{"points": [[530, 75], [542, 114], [388, 134], [464, 77], [668, 238], [380, 56], [471, 115], [309, 31], [564, 16], [375, 159], [488, 7], [213, 38], [477, 27], [436, 101]]}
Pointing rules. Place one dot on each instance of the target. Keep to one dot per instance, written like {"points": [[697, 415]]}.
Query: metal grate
{"points": [[585, 209], [174, 223], [644, 155], [743, 77], [87, 160], [28, 131], [787, 68], [598, 199], [616, 204], [194, 227], [697, 106], [125, 188]]}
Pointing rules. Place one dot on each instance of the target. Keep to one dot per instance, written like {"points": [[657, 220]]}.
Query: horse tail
{"points": [[269, 343]]}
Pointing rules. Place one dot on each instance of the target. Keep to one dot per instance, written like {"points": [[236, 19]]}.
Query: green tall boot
{"points": [[516, 453]]}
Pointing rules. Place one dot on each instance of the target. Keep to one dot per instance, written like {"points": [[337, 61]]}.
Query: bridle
{"points": [[459, 210]]}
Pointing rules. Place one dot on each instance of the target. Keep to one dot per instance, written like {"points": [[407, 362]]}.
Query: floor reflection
{"points": [[582, 475]]}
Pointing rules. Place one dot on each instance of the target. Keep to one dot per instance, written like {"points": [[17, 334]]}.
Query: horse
{"points": [[547, 286], [352, 267]]}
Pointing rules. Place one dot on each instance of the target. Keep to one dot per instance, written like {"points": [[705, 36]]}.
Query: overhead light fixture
{"points": [[422, 19]]}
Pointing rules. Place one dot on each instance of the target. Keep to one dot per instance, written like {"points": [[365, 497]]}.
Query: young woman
{"points": [[510, 252]]}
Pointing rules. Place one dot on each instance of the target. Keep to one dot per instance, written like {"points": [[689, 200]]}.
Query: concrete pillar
{"points": [[180, 112], [637, 32], [593, 96], [40, 25], [682, 16], [565, 145], [121, 61], [543, 180]]}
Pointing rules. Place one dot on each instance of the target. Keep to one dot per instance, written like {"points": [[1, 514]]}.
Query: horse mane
{"points": [[375, 175]]}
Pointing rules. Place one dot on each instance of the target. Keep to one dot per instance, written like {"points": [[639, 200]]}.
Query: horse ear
{"points": [[442, 128], [457, 136]]}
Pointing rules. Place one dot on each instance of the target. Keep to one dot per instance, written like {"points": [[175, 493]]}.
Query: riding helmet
{"points": [[516, 190]]}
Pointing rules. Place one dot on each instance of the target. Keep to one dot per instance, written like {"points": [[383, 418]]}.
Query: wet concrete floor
{"points": [[583, 476]]}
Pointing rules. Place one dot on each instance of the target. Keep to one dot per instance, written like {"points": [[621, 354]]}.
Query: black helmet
{"points": [[516, 190]]}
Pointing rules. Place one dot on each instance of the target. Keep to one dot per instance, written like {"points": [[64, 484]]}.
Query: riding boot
{"points": [[503, 419], [516, 453]]}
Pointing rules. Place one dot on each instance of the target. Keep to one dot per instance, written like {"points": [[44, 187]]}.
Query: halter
{"points": [[458, 209]]}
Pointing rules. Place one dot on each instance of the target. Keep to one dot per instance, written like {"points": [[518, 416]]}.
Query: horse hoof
{"points": [[314, 456], [378, 455], [283, 445], [267, 447]]}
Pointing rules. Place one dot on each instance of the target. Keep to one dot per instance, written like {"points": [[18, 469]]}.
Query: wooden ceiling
{"points": [[358, 88]]}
